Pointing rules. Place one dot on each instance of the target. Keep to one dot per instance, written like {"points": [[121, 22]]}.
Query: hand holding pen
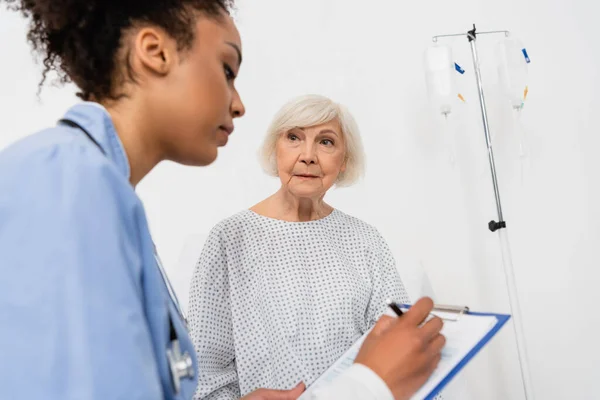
{"points": [[401, 352]]}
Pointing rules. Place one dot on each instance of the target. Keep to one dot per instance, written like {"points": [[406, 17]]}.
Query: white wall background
{"points": [[368, 55]]}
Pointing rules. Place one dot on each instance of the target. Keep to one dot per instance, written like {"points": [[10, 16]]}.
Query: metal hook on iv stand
{"points": [[500, 225]]}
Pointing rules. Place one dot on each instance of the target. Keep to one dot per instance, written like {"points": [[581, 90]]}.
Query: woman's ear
{"points": [[344, 165], [155, 50]]}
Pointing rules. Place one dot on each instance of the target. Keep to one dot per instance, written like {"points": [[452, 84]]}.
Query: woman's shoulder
{"points": [[56, 165], [55, 149], [356, 224], [234, 223], [358, 231]]}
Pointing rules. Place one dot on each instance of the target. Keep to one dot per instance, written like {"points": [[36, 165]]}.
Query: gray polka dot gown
{"points": [[275, 303]]}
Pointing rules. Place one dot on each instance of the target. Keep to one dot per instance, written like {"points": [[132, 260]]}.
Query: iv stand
{"points": [[500, 225]]}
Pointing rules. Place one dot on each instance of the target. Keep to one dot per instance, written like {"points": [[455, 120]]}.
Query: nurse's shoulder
{"points": [[64, 163], [51, 150], [70, 259]]}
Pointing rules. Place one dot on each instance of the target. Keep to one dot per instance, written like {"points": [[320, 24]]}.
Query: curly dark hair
{"points": [[80, 39]]}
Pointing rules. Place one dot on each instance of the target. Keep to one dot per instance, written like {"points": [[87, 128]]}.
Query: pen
{"points": [[395, 308]]}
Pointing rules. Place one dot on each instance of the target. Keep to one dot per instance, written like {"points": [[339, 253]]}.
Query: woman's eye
{"points": [[327, 142], [292, 137], [228, 72]]}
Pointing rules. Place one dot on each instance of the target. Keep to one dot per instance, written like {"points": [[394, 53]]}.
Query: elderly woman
{"points": [[283, 289]]}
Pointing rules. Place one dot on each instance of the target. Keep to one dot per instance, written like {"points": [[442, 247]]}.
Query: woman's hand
{"points": [[403, 354], [270, 394]]}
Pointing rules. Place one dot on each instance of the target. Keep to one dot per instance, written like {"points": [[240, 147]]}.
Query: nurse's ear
{"points": [[154, 52]]}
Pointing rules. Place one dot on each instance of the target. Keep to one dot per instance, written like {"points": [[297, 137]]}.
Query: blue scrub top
{"points": [[84, 311]]}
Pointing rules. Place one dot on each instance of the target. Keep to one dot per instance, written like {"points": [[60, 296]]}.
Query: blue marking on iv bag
{"points": [[526, 56], [459, 68]]}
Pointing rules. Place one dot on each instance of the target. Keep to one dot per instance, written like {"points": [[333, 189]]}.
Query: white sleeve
{"points": [[210, 323], [386, 281], [356, 383]]}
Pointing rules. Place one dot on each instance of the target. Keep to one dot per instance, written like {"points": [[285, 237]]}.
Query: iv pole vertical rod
{"points": [[488, 139], [501, 227]]}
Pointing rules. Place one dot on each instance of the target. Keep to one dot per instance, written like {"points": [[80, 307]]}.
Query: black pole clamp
{"points": [[494, 226], [472, 34]]}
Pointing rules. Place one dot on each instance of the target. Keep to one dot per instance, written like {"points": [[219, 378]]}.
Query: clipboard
{"points": [[451, 314], [466, 334]]}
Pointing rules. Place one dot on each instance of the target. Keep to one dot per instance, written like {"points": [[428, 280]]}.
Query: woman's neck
{"points": [[285, 206], [135, 132]]}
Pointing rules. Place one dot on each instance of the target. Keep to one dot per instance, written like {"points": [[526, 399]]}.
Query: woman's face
{"points": [[309, 160], [198, 99]]}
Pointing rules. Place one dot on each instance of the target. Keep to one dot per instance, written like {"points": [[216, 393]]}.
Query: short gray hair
{"points": [[311, 110]]}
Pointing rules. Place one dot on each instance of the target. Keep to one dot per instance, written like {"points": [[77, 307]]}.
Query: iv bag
{"points": [[512, 70], [440, 70]]}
